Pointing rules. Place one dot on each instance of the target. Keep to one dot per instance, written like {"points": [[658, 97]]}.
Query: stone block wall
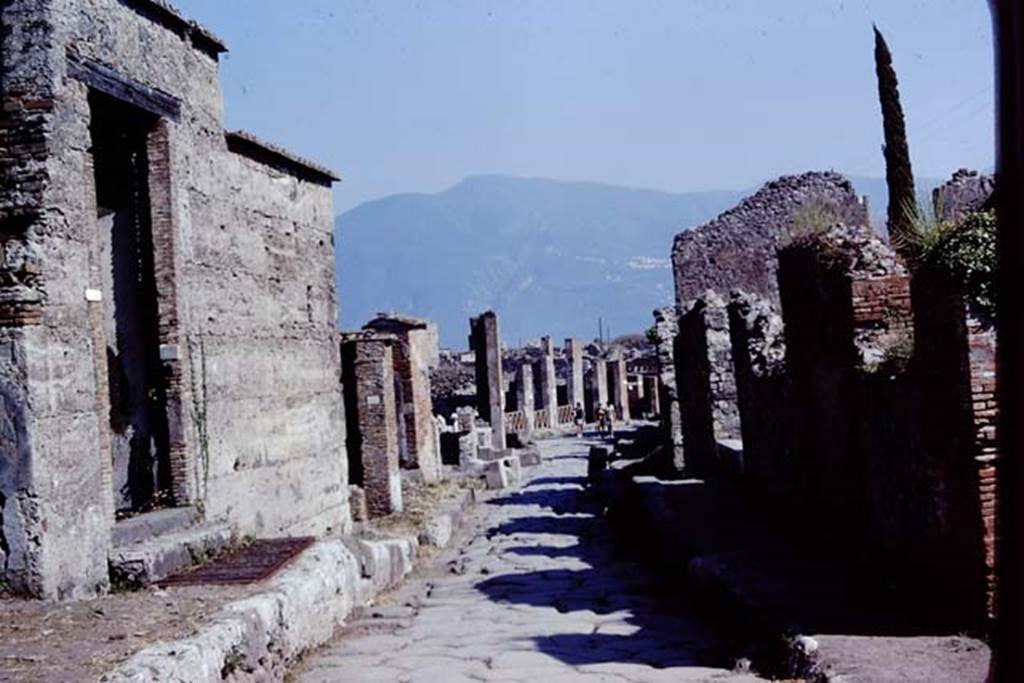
{"points": [[368, 376], [244, 299]]}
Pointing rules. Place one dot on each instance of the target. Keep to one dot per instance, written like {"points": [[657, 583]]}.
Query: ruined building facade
{"points": [[844, 387], [167, 298]]}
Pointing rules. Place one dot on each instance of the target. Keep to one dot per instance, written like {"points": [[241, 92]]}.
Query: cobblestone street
{"points": [[532, 591]]}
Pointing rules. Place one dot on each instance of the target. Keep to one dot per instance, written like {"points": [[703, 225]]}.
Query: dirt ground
{"points": [[80, 641]]}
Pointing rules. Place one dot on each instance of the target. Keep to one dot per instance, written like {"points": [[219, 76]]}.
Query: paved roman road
{"points": [[531, 591]]}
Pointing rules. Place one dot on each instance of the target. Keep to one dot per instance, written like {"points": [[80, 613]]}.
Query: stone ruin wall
{"points": [[889, 439], [245, 290], [965, 192], [737, 249], [737, 252], [762, 391]]}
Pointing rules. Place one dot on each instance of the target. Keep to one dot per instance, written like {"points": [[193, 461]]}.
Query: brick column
{"points": [[574, 357], [618, 388], [371, 424], [485, 340], [414, 353], [524, 394]]}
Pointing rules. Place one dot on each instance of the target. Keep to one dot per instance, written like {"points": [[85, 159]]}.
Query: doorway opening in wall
{"points": [[353, 437], [139, 434]]}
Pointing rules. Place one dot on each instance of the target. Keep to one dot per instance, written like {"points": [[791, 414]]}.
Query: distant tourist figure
{"points": [[610, 419], [579, 419], [600, 416]]}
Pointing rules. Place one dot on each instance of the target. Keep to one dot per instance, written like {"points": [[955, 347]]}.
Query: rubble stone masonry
{"points": [[737, 250]]}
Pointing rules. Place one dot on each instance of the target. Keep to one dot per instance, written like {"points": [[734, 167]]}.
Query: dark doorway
{"points": [[138, 396]]}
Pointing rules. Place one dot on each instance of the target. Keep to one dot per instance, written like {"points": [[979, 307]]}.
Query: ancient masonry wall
{"points": [[762, 391], [707, 384], [888, 443], [369, 379], [737, 250], [415, 355], [245, 296], [485, 341], [965, 192]]}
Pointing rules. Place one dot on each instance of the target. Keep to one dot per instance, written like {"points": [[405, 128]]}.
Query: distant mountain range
{"points": [[551, 257]]}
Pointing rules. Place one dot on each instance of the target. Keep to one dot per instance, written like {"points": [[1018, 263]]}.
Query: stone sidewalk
{"points": [[532, 591]]}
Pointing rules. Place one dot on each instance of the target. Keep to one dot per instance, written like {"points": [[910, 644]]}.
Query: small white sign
{"points": [[93, 295], [169, 352], [373, 400]]}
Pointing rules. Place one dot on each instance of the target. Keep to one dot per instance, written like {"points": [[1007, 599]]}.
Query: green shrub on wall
{"points": [[966, 250]]}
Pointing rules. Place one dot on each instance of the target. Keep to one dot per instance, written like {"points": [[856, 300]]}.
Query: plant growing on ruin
{"points": [[966, 251], [899, 176], [811, 218], [197, 379]]}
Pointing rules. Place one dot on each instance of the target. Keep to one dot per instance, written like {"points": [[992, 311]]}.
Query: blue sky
{"points": [[676, 95]]}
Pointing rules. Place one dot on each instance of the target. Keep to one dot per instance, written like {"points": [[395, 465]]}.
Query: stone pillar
{"points": [[524, 394], [666, 327], [544, 373], [371, 419], [485, 341], [650, 384], [574, 358], [707, 382], [598, 386], [617, 387], [414, 354]]}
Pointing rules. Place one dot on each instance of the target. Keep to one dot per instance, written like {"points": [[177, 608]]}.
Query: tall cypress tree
{"points": [[899, 177]]}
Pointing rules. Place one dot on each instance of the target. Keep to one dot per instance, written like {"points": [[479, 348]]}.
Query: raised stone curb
{"points": [[257, 637]]}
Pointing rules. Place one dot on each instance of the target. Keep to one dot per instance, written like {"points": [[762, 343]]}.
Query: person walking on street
{"points": [[610, 419], [578, 418]]}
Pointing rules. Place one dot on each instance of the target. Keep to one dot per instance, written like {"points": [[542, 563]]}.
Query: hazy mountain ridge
{"points": [[549, 256]]}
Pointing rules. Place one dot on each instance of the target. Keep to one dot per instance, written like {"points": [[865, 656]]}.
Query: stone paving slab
{"points": [[531, 590]]}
